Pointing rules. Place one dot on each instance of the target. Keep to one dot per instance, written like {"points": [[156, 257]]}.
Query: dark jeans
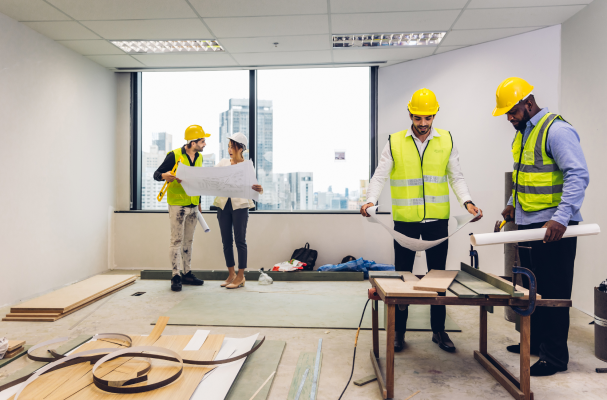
{"points": [[552, 263], [436, 258], [234, 219]]}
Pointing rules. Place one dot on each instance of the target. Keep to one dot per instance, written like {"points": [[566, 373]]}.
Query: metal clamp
{"points": [[473, 256], [525, 312]]}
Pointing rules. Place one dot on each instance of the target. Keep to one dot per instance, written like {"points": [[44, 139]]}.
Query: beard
{"points": [[522, 125]]}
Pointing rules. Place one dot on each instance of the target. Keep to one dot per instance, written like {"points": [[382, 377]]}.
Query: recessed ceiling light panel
{"points": [[167, 46], [388, 39]]}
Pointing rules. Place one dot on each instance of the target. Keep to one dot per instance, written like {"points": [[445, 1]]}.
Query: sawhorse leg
{"points": [[375, 327], [519, 389], [390, 351], [525, 378], [375, 352]]}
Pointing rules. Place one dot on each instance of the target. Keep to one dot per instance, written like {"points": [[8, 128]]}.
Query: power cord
{"points": [[355, 343]]}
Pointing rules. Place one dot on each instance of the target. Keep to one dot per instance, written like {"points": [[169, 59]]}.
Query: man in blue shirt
{"points": [[550, 178]]}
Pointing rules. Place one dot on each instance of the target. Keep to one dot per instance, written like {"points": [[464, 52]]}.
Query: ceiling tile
{"points": [[476, 36], [515, 17], [116, 61], [397, 54], [186, 60], [67, 30], [444, 49], [124, 9], [31, 10], [91, 47], [151, 29], [248, 8], [284, 58], [268, 26], [393, 22], [355, 6], [285, 43], [522, 3]]}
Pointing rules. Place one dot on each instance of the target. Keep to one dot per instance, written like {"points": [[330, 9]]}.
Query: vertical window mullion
{"points": [[253, 117], [374, 71], [136, 148]]}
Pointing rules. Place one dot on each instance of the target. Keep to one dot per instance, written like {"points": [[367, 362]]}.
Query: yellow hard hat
{"points": [[509, 93], [194, 132], [423, 102]]}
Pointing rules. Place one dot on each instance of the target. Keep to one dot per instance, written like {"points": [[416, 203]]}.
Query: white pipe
{"points": [[485, 239]]}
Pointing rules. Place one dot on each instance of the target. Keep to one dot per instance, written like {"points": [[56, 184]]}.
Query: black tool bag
{"points": [[306, 255]]}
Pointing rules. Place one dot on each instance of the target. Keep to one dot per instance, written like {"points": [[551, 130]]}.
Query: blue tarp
{"points": [[360, 265]]}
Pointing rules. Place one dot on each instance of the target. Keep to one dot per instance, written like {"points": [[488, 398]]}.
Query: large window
{"points": [[172, 101], [312, 137]]}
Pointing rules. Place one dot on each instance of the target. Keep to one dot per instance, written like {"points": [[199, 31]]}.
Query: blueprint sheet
{"points": [[232, 181], [417, 244]]}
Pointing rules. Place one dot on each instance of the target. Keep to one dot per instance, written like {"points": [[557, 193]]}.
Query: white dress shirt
{"points": [[236, 203], [386, 164]]}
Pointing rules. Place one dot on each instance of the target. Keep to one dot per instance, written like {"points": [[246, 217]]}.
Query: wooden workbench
{"points": [[519, 388]]}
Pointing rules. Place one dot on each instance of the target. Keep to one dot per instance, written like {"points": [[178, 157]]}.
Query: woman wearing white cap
{"points": [[233, 214]]}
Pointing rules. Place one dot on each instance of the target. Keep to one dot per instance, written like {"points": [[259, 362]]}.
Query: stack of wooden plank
{"points": [[55, 305], [14, 347]]}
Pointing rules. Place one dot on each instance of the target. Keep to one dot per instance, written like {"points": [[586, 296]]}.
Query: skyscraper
{"points": [[161, 145], [236, 119]]}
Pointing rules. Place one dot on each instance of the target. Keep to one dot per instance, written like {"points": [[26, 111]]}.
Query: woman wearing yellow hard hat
{"points": [[182, 208], [421, 162], [549, 183]]}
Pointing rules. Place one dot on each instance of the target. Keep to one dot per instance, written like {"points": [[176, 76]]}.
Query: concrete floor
{"points": [[421, 366]]}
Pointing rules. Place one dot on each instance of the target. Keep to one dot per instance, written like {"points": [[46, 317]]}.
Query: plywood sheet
{"points": [[55, 317], [436, 281], [478, 286], [397, 288], [256, 370], [463, 292], [72, 296], [15, 344], [183, 388], [521, 289]]}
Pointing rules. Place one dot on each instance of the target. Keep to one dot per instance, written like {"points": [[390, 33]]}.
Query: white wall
{"points": [[584, 100], [465, 81], [57, 129]]}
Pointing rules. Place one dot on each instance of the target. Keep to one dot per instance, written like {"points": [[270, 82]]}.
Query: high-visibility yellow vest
{"points": [[418, 184], [537, 180], [176, 196]]}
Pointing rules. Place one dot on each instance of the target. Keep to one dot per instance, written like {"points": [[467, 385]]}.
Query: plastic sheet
{"points": [[418, 244]]}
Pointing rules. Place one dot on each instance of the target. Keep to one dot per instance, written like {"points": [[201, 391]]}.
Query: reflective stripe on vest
{"points": [[538, 181], [176, 196], [419, 185]]}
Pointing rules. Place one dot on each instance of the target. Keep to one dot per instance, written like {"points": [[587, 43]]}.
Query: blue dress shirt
{"points": [[563, 146]]}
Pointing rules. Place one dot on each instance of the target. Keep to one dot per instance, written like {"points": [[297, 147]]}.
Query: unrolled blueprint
{"points": [[417, 244], [232, 181]]}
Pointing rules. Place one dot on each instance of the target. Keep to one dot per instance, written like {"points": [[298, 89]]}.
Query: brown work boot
{"points": [[443, 341]]}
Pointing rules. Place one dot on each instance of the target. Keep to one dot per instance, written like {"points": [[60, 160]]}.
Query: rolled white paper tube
{"points": [[485, 239]]}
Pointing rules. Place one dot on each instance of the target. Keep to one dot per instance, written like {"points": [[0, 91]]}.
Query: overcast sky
{"points": [[316, 113]]}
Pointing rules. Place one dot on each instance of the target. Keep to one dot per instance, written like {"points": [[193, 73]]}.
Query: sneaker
{"points": [[176, 283], [190, 279]]}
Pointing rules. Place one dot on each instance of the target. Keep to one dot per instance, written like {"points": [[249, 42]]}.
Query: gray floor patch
{"points": [[288, 310]]}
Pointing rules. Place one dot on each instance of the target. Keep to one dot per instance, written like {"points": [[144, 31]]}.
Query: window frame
{"points": [[136, 141]]}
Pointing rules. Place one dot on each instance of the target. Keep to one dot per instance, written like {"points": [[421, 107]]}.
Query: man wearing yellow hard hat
{"points": [[182, 208], [421, 162], [549, 183]]}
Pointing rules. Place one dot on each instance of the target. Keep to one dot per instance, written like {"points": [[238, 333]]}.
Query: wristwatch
{"points": [[468, 202]]}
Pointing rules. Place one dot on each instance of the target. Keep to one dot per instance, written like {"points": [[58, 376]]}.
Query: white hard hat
{"points": [[240, 138]]}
